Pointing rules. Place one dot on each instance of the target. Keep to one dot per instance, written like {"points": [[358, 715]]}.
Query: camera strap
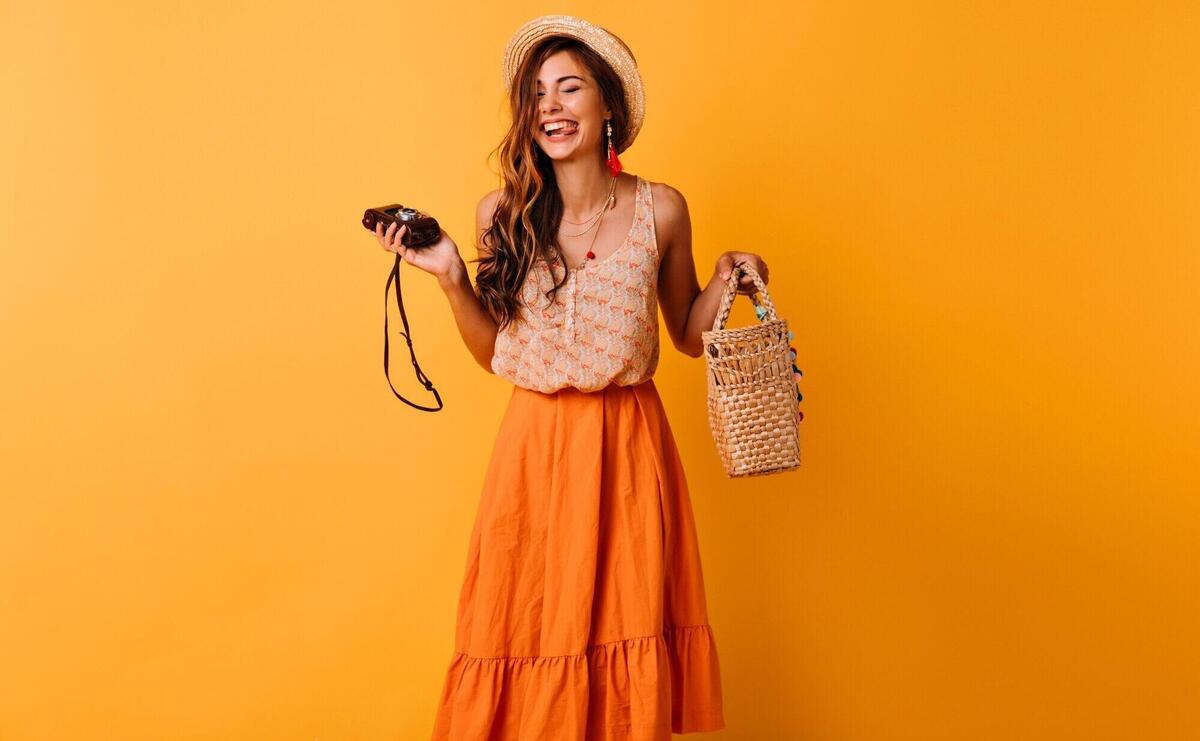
{"points": [[395, 276]]}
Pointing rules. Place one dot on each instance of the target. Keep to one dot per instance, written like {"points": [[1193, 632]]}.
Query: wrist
{"points": [[455, 277]]}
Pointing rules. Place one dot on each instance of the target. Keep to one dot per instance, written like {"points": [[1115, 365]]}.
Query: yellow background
{"points": [[218, 523]]}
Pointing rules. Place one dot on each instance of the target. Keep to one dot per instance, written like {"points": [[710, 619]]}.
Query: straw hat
{"points": [[612, 49]]}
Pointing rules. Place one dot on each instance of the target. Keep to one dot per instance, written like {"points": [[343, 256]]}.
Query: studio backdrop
{"points": [[217, 522]]}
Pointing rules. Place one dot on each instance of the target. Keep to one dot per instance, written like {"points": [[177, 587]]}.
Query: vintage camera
{"points": [[423, 229]]}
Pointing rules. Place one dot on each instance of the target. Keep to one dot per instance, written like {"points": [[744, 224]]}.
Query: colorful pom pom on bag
{"points": [[753, 401]]}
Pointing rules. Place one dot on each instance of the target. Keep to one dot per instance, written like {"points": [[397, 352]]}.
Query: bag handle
{"points": [[731, 291], [395, 276]]}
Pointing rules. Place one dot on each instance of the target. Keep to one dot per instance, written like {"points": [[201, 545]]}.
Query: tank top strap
{"points": [[644, 216], [643, 197]]}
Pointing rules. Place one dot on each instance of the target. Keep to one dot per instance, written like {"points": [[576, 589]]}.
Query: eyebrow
{"points": [[565, 77]]}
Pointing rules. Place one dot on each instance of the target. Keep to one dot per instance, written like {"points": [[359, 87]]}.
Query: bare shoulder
{"points": [[484, 212], [668, 201], [485, 208], [671, 219]]}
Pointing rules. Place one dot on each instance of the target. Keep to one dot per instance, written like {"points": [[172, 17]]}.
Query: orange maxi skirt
{"points": [[582, 612]]}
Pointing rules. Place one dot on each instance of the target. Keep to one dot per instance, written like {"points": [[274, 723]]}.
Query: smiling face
{"points": [[568, 94]]}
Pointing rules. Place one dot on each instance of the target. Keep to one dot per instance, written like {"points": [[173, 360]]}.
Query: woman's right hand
{"points": [[440, 258]]}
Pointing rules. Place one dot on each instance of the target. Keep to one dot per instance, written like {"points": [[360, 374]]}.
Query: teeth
{"points": [[555, 126]]}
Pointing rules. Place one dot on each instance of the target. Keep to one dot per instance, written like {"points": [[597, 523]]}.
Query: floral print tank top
{"points": [[603, 325]]}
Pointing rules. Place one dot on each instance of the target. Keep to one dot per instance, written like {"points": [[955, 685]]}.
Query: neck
{"points": [[583, 187]]}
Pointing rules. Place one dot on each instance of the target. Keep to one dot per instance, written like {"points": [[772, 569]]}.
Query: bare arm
{"points": [[475, 324], [688, 310]]}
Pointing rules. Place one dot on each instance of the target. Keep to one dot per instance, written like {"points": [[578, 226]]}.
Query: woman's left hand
{"points": [[746, 285]]}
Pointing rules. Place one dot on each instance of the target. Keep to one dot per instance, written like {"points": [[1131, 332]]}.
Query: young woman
{"points": [[582, 612]]}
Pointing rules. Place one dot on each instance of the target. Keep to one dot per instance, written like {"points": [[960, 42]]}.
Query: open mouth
{"points": [[560, 130]]}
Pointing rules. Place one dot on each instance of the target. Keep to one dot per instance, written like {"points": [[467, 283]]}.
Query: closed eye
{"points": [[571, 90]]}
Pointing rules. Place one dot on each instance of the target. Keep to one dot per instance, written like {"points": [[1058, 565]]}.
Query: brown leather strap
{"points": [[395, 276]]}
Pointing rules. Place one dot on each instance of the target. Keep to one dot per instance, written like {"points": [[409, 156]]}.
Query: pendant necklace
{"points": [[610, 203]]}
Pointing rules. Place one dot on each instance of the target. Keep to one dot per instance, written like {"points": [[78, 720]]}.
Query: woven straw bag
{"points": [[753, 407]]}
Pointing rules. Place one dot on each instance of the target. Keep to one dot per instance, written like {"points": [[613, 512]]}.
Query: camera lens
{"points": [[407, 214]]}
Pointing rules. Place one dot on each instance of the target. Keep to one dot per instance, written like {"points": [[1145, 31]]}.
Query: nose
{"points": [[548, 103]]}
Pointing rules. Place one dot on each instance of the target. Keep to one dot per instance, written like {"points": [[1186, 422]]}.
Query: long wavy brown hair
{"points": [[529, 208]]}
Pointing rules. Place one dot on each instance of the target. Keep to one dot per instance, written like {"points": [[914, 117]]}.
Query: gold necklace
{"points": [[612, 186], [610, 203], [590, 255]]}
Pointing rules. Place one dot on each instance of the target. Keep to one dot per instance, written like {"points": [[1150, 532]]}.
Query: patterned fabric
{"points": [[602, 327]]}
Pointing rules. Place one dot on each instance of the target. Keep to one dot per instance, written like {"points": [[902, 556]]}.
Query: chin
{"points": [[564, 150]]}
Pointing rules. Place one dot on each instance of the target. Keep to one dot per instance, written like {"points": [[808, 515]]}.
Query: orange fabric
{"points": [[603, 324], [582, 612]]}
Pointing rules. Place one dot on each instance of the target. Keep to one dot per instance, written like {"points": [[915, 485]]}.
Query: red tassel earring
{"points": [[614, 164]]}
